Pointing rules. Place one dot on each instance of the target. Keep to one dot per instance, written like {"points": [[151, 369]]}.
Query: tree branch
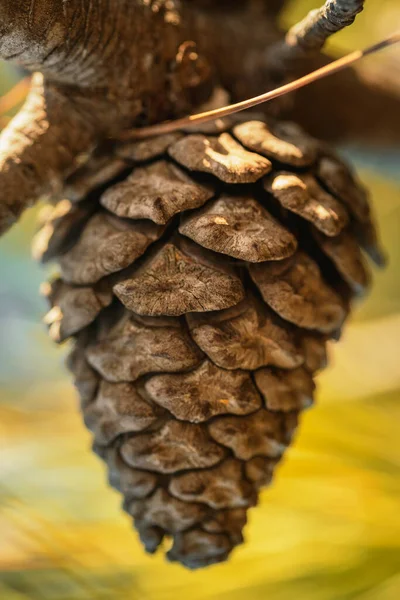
{"points": [[39, 146], [309, 35], [112, 64], [104, 63], [360, 105]]}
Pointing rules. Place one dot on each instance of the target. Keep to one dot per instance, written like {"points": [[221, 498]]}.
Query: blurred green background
{"points": [[328, 529]]}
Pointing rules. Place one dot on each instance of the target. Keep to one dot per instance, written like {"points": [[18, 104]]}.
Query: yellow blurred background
{"points": [[328, 528]]}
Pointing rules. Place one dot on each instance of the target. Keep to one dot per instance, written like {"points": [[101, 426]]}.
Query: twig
{"points": [[185, 122], [309, 35]]}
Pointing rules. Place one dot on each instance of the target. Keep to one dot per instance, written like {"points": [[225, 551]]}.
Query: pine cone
{"points": [[201, 277]]}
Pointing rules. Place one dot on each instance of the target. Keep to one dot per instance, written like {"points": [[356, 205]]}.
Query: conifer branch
{"points": [[210, 115], [110, 65], [40, 145], [309, 35]]}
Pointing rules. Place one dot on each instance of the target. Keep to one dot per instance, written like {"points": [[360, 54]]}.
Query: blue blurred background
{"points": [[328, 529]]}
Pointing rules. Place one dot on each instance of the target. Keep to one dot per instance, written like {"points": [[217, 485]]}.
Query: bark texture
{"points": [[109, 64], [105, 64], [310, 35]]}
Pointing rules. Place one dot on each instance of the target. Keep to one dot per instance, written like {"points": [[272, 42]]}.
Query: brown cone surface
{"points": [[201, 278]]}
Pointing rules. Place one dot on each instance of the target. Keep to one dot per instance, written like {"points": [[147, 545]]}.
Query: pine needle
{"points": [[334, 67]]}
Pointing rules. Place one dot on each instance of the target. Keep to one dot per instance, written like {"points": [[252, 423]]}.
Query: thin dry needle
{"points": [[211, 115]]}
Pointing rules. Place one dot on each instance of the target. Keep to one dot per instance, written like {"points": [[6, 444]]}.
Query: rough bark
{"points": [[42, 142], [310, 35], [109, 64], [106, 64]]}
